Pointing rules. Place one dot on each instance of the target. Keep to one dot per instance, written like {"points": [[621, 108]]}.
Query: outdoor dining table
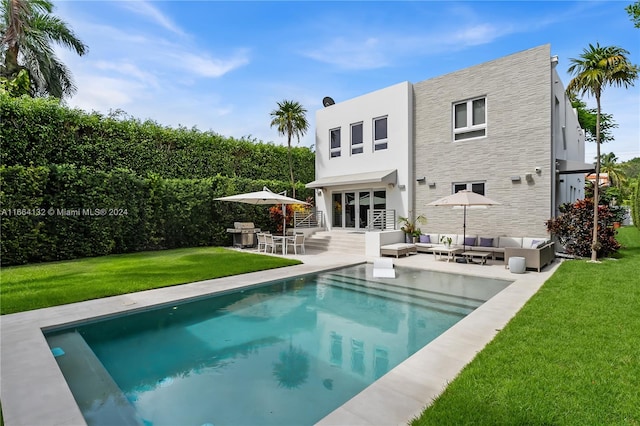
{"points": [[284, 239]]}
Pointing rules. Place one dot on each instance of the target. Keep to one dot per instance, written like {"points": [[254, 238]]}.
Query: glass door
{"points": [[336, 209], [351, 209]]}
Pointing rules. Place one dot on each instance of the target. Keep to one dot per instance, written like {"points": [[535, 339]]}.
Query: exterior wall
{"points": [[518, 139], [568, 143], [395, 102]]}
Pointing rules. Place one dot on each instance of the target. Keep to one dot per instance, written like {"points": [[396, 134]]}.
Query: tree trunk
{"points": [[596, 187], [293, 185]]}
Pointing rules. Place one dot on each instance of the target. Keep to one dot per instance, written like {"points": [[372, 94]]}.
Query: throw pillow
{"points": [[469, 241], [425, 238], [534, 243], [542, 244], [486, 242]]}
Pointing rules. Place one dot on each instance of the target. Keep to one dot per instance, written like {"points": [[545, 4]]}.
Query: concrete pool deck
{"points": [[33, 391]]}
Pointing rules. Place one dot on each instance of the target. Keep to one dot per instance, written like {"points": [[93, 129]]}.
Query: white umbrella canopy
{"points": [[261, 197], [266, 196], [464, 199]]}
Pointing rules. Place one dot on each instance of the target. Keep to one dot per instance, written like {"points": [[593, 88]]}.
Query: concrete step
{"points": [[336, 241]]}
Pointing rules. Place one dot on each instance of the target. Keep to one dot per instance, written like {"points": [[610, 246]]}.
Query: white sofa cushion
{"points": [[533, 242], [510, 242]]}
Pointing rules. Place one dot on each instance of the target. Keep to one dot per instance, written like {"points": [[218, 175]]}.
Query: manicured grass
{"points": [[27, 287], [571, 356]]}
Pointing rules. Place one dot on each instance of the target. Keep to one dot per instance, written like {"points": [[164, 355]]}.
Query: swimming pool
{"points": [[281, 353]]}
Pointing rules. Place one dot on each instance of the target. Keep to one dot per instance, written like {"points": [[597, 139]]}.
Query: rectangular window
{"points": [[470, 119], [334, 136], [477, 187], [379, 133], [356, 139]]}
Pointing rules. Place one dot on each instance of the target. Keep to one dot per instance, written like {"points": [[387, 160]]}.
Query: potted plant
{"points": [[446, 241], [409, 226]]}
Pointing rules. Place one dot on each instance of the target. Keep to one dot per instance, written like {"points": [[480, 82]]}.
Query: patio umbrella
{"points": [[464, 199], [266, 196]]}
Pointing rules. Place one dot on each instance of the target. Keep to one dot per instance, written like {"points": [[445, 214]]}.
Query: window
{"points": [[470, 119], [356, 139], [334, 136], [379, 133], [477, 187]]}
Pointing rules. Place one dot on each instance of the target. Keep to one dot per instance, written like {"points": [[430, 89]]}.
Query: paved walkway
{"points": [[34, 392]]}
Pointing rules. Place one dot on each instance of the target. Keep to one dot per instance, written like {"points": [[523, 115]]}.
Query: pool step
{"points": [[425, 298], [394, 285], [99, 398]]}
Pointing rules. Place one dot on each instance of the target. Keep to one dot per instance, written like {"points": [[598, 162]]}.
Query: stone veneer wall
{"points": [[518, 93]]}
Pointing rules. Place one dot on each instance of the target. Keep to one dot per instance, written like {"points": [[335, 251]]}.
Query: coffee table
{"points": [[483, 255], [438, 252]]}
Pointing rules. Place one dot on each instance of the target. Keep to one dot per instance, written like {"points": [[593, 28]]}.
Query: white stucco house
{"points": [[504, 129]]}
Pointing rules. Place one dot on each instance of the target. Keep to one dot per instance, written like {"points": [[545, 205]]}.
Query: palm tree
{"points": [[598, 67], [28, 31], [610, 166], [291, 120]]}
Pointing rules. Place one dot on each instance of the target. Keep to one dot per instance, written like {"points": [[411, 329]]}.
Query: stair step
{"points": [[336, 241]]}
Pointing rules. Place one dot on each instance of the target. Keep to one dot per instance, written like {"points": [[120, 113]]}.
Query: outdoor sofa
{"points": [[537, 251]]}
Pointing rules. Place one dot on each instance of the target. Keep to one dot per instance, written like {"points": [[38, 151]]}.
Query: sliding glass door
{"points": [[350, 209]]}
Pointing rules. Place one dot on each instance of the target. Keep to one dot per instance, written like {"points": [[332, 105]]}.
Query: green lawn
{"points": [[571, 356], [27, 287]]}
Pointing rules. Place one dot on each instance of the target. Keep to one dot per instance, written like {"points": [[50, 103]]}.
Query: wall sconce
{"points": [[528, 177], [319, 191], [515, 179], [538, 170], [432, 184], [422, 179]]}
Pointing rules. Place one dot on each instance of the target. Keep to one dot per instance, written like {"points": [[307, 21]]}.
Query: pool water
{"points": [[284, 353]]}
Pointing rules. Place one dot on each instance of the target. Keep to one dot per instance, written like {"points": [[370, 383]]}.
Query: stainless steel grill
{"points": [[244, 234]]}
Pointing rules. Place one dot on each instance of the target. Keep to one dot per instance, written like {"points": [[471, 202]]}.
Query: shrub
{"points": [[66, 212], [574, 229], [43, 132]]}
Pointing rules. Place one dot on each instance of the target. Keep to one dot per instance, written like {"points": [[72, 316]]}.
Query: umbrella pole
{"points": [[464, 229]]}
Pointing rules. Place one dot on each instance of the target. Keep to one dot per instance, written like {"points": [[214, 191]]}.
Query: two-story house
{"points": [[504, 129]]}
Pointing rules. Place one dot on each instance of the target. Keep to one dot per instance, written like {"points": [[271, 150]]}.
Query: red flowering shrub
{"points": [[574, 229]]}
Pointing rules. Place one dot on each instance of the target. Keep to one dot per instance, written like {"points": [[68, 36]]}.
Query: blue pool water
{"points": [[285, 353]]}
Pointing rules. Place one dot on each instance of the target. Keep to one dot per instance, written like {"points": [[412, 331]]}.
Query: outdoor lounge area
{"points": [[538, 252]]}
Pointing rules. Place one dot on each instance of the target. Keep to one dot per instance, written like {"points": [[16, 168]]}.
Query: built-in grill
{"points": [[244, 234]]}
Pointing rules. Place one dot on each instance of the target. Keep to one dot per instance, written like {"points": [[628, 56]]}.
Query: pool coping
{"points": [[33, 390]]}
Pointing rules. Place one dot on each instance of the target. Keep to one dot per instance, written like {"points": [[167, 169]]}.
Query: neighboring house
{"points": [[504, 129], [604, 179]]}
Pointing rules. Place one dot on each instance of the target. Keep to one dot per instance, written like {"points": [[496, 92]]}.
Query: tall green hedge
{"points": [[42, 132], [76, 184], [65, 212]]}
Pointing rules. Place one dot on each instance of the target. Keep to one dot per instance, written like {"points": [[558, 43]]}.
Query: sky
{"points": [[223, 65]]}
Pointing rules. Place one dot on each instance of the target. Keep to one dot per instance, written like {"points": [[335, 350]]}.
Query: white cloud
{"points": [[365, 53], [128, 69], [205, 66], [103, 94], [147, 10]]}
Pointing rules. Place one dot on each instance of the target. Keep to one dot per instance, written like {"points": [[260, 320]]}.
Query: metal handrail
{"points": [[307, 219], [381, 219]]}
